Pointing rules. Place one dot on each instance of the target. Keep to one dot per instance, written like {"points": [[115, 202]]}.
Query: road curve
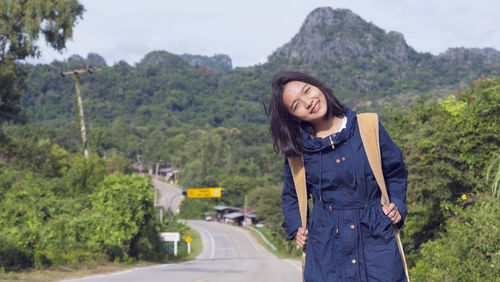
{"points": [[230, 254], [167, 192]]}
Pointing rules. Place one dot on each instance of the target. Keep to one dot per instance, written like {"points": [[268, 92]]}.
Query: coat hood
{"points": [[314, 144]]}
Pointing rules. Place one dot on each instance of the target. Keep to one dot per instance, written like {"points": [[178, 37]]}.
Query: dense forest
{"points": [[209, 121]]}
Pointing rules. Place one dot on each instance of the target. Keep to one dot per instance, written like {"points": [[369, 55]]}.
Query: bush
{"points": [[123, 213], [469, 248]]}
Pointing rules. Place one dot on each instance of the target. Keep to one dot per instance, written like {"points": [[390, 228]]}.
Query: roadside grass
{"points": [[282, 254], [99, 267], [196, 246], [69, 271]]}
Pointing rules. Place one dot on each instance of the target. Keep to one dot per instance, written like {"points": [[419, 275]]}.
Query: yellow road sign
{"points": [[188, 239], [214, 192]]}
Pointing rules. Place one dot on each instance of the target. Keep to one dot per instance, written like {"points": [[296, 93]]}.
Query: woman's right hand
{"points": [[301, 237]]}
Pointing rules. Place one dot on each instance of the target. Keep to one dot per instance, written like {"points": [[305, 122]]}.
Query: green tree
{"points": [[21, 23]]}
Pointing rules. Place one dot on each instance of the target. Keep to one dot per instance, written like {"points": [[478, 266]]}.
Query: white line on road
{"points": [[247, 236], [119, 272], [292, 264], [211, 240]]}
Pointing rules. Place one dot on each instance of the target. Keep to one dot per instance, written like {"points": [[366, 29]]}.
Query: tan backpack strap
{"points": [[299, 179], [368, 129]]}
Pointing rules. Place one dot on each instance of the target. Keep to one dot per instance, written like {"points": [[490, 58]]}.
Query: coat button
{"points": [[353, 261], [349, 192], [337, 160], [352, 226], [334, 134], [343, 158]]}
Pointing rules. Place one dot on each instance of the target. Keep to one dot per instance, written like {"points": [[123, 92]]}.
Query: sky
{"points": [[251, 30]]}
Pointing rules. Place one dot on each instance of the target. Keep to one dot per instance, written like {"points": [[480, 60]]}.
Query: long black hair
{"points": [[285, 130]]}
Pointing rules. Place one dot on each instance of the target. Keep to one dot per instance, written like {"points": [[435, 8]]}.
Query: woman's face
{"points": [[304, 101]]}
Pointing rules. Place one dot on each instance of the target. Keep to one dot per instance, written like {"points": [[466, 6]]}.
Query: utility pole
{"points": [[157, 165], [245, 212], [76, 77]]}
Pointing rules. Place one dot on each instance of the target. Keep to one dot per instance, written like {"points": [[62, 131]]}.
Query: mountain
{"points": [[92, 60], [219, 62], [367, 67], [341, 36]]}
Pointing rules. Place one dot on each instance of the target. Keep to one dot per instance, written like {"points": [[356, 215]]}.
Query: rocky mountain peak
{"points": [[340, 35], [96, 60], [163, 59], [488, 55], [218, 62], [93, 60]]}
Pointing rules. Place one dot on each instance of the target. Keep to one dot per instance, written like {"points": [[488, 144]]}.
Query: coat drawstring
{"points": [[352, 164], [320, 176]]}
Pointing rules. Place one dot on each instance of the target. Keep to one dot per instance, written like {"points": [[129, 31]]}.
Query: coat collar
{"points": [[312, 144]]}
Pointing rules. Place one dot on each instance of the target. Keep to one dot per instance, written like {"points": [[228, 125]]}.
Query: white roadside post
{"points": [[188, 241], [171, 237]]}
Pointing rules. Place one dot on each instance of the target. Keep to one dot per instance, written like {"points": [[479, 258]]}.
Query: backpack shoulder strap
{"points": [[368, 129], [299, 179]]}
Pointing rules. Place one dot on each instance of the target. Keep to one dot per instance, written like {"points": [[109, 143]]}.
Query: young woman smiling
{"points": [[349, 236]]}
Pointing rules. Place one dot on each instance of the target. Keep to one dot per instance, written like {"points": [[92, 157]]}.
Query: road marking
{"points": [[220, 235], [247, 236], [211, 240], [119, 272], [292, 264]]}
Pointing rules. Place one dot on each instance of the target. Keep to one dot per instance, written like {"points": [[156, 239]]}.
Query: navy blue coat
{"points": [[349, 237]]}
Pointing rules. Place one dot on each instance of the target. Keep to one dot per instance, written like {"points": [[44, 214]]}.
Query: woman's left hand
{"points": [[392, 212]]}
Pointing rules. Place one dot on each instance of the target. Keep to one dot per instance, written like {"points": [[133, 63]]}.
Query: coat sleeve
{"points": [[290, 204], [395, 172]]}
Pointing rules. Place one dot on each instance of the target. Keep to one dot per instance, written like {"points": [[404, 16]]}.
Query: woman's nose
{"points": [[308, 103]]}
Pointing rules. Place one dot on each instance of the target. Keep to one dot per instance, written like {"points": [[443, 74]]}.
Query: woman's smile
{"points": [[316, 107]]}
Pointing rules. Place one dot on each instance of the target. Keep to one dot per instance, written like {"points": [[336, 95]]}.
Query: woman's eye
{"points": [[307, 90]]}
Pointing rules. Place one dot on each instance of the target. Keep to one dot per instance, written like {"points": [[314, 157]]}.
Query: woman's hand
{"points": [[301, 237], [392, 212]]}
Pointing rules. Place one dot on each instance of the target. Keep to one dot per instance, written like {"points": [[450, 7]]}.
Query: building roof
{"points": [[234, 215], [222, 208]]}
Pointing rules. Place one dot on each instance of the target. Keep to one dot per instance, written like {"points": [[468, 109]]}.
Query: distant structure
{"points": [[76, 76]]}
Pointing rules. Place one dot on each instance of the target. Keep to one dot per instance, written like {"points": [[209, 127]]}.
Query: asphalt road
{"points": [[166, 192], [230, 254]]}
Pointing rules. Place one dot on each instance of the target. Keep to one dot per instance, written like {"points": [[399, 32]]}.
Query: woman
{"points": [[349, 236]]}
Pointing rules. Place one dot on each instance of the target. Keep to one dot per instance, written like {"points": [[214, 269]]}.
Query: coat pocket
{"points": [[320, 254], [383, 261], [382, 227]]}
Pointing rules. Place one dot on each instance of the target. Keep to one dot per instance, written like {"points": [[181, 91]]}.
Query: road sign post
{"points": [[188, 241], [171, 237]]}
